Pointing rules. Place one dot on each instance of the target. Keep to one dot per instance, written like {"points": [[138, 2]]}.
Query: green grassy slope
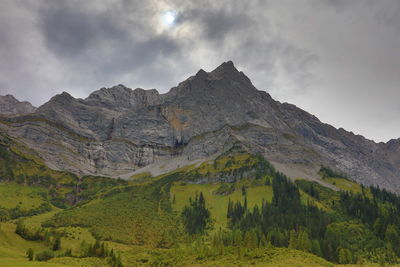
{"points": [[274, 257], [12, 245], [13, 194], [20, 165], [134, 215], [142, 222], [217, 203]]}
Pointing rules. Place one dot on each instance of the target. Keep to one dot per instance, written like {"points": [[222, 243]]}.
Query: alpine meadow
{"points": [[218, 170]]}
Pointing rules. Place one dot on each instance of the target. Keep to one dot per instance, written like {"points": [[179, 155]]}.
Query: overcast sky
{"points": [[337, 59]]}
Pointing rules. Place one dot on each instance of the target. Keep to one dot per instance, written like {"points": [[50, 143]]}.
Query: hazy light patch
{"points": [[168, 18]]}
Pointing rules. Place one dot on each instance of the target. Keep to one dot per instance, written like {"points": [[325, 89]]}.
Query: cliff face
{"points": [[10, 106], [117, 130]]}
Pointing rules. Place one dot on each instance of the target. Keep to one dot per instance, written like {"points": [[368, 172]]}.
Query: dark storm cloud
{"points": [[241, 31], [69, 31], [318, 54], [217, 24], [106, 43]]}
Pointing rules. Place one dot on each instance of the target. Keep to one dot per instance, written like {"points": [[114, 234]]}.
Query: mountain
{"points": [[10, 106], [204, 181], [119, 131]]}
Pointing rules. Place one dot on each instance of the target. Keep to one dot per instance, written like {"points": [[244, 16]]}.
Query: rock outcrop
{"points": [[10, 106], [115, 131]]}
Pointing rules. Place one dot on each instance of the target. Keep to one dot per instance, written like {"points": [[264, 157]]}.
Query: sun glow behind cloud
{"points": [[300, 53], [168, 18]]}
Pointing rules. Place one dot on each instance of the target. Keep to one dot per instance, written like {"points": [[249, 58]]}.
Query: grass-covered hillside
{"points": [[236, 210]]}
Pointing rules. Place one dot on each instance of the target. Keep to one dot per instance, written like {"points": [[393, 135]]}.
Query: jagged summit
{"points": [[224, 82], [10, 98], [226, 67], [225, 79], [121, 96], [115, 131]]}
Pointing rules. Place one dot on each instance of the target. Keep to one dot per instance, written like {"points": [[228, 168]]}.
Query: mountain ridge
{"points": [[205, 115]]}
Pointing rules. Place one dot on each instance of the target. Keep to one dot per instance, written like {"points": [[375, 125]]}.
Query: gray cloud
{"points": [[69, 31], [337, 59]]}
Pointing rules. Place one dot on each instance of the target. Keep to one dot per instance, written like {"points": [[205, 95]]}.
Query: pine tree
{"points": [[342, 256], [349, 256], [304, 243], [57, 243], [250, 240], [263, 241], [30, 254], [316, 248], [293, 240], [392, 237], [244, 191], [47, 236], [237, 237], [20, 229], [196, 216], [218, 243]]}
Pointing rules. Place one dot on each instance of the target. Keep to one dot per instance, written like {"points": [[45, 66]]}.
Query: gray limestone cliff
{"points": [[10, 106], [115, 131]]}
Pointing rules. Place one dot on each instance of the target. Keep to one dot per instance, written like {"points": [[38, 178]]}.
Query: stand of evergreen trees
{"points": [[380, 213], [361, 226], [285, 222], [17, 212], [51, 238], [97, 249], [196, 216], [101, 250]]}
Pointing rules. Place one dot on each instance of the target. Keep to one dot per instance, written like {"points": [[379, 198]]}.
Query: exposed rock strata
{"points": [[117, 130]]}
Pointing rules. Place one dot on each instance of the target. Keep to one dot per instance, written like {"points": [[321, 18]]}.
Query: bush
{"points": [[327, 172], [45, 255], [57, 243], [225, 189], [30, 254]]}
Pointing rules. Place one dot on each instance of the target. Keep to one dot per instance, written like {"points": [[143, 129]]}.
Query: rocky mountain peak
{"points": [[224, 81], [62, 98], [228, 70], [226, 67], [121, 96], [207, 114], [10, 98], [201, 74], [10, 106]]}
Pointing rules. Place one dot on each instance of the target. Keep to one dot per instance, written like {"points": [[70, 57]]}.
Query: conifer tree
{"points": [[293, 240], [304, 243], [316, 248], [196, 216], [342, 256], [392, 237], [30, 254], [250, 240], [57, 243]]}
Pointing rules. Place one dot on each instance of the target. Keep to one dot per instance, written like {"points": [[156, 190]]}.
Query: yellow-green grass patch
{"points": [[345, 184], [12, 245], [36, 221], [25, 263], [27, 197], [218, 204]]}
